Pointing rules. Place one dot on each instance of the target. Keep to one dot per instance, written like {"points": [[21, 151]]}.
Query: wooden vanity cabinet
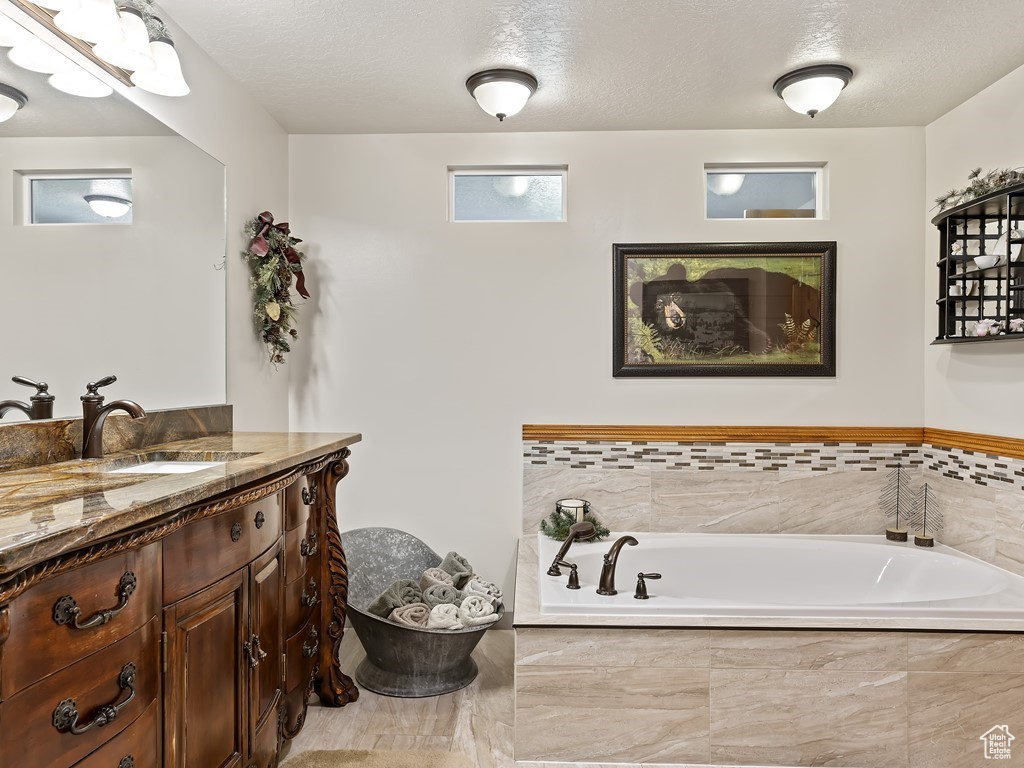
{"points": [[234, 616]]}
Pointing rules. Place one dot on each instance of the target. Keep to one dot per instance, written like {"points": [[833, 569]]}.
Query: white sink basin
{"points": [[166, 467]]}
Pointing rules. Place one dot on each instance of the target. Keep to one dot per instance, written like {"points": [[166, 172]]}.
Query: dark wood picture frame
{"points": [[724, 309]]}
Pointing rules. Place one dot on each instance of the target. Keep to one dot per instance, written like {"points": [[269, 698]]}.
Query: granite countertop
{"points": [[54, 508]]}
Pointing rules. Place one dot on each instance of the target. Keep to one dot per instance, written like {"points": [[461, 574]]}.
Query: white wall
{"points": [[439, 340], [143, 301], [972, 387]]}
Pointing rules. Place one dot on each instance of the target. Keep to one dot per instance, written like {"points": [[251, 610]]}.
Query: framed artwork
{"points": [[724, 309]]}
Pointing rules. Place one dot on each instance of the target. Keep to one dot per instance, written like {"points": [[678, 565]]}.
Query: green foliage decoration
{"points": [[980, 184], [558, 522], [273, 264]]}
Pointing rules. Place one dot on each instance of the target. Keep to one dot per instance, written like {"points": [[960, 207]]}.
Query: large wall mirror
{"points": [[142, 300]]}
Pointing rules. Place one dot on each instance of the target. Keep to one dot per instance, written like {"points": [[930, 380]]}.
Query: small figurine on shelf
{"points": [[924, 512], [896, 499], [1016, 324]]}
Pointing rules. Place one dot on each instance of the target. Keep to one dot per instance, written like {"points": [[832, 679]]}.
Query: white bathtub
{"points": [[777, 575]]}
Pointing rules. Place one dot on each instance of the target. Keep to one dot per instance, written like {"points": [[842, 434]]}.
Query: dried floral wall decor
{"points": [[274, 263]]}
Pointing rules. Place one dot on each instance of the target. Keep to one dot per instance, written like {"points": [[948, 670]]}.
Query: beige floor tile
{"points": [[819, 718]]}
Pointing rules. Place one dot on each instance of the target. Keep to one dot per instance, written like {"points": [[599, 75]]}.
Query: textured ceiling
{"points": [[390, 66]]}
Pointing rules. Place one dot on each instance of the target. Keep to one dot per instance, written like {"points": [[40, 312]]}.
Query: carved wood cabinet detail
{"points": [[193, 642]]}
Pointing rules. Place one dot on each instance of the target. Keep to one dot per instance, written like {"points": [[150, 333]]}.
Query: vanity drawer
{"points": [[113, 597], [207, 550], [296, 496], [135, 747], [301, 597], [96, 681], [301, 545], [303, 651]]}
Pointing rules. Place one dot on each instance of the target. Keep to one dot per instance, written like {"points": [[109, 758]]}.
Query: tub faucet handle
{"points": [[641, 585], [574, 577]]}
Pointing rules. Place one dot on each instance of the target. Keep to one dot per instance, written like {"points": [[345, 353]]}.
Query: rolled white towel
{"points": [[478, 586], [476, 610], [444, 616], [412, 615], [433, 576]]}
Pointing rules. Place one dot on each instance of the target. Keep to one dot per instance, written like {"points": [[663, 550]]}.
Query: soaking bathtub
{"points": [[782, 576], [781, 650]]}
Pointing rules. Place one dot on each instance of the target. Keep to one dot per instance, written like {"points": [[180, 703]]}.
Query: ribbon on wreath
{"points": [[260, 247]]}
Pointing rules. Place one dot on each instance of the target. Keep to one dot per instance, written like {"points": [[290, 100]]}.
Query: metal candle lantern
{"points": [[577, 507]]}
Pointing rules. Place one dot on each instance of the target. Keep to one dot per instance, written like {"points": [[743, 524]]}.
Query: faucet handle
{"points": [[92, 386], [641, 585], [41, 386]]}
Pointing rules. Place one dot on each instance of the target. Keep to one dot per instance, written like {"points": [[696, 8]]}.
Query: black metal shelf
{"points": [[998, 293]]}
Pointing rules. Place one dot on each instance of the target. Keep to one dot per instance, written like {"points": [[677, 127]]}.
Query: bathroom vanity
{"points": [[164, 617]]}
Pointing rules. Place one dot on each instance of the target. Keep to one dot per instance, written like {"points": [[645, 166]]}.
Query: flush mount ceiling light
{"points": [[11, 100], [813, 89], [108, 206], [501, 92]]}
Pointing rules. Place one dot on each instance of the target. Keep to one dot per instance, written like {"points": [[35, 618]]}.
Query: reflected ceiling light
{"points": [[132, 50], [11, 100], [33, 54], [78, 82], [165, 79], [813, 89], [108, 206], [11, 33], [512, 186], [95, 21], [725, 184], [501, 92]]}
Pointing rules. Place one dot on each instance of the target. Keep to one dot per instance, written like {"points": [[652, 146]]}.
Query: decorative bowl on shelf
{"points": [[962, 288], [986, 260]]}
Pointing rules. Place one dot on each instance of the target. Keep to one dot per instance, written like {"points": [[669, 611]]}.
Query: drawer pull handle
{"points": [[127, 762], [66, 610], [236, 531], [65, 716], [253, 651], [309, 495], [310, 599], [312, 645], [260, 520], [309, 546]]}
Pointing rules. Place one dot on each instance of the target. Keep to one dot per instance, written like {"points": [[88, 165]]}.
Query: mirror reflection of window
{"points": [[80, 200], [764, 193]]}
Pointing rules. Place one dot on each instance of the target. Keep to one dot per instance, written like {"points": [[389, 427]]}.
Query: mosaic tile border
{"points": [[771, 457], [954, 463]]}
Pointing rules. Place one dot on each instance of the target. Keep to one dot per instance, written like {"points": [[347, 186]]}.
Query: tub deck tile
{"points": [[791, 649], [668, 648]]}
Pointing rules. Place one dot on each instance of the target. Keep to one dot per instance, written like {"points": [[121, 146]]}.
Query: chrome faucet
{"points": [[583, 531], [607, 584], [41, 402], [94, 416]]}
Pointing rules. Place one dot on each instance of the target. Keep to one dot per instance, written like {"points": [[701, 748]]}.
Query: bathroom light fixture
{"points": [[10, 32], [132, 51], [165, 79], [78, 82], [108, 206], [11, 100], [59, 5], [813, 89], [501, 92], [33, 54], [95, 21]]}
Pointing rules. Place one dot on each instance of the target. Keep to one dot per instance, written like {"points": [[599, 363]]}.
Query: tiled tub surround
{"points": [[705, 691], [748, 487], [868, 694]]}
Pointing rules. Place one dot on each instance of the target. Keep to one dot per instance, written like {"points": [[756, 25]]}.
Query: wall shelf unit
{"points": [[969, 294]]}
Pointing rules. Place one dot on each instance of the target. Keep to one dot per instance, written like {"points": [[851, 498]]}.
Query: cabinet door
{"points": [[264, 653], [205, 718]]}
